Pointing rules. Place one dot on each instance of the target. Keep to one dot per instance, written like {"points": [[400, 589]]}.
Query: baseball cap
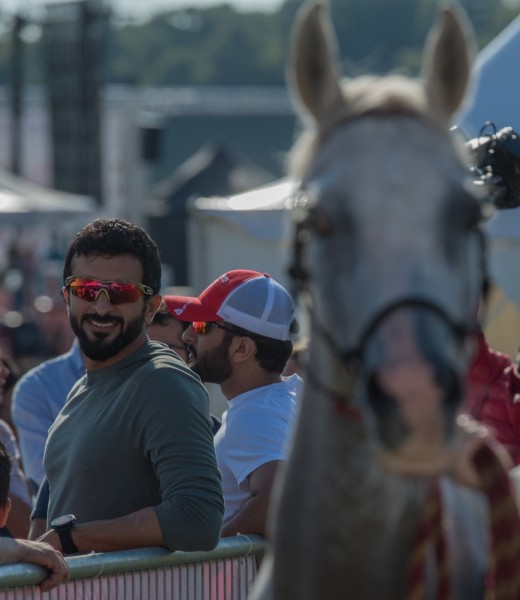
{"points": [[247, 299]]}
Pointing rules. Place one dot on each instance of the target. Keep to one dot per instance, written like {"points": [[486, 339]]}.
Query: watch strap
{"points": [[67, 543]]}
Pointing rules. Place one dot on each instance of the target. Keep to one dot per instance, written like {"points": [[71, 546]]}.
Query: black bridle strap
{"points": [[342, 401], [352, 359], [354, 355], [459, 330]]}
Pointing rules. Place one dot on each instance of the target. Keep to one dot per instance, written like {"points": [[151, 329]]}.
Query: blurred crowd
{"points": [[33, 319]]}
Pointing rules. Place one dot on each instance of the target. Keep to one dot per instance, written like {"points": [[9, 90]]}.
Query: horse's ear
{"points": [[314, 71], [449, 53]]}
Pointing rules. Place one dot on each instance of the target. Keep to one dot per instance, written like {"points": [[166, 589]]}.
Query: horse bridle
{"points": [[352, 358]]}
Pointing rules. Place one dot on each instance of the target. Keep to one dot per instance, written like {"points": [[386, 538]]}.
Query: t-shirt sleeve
{"points": [[257, 438]]}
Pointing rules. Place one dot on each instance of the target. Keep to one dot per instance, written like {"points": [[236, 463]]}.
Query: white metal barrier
{"points": [[225, 573]]}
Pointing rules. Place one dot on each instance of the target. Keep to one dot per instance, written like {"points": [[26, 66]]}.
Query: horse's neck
{"points": [[331, 450], [328, 414], [336, 496]]}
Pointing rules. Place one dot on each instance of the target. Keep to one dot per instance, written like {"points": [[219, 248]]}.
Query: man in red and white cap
{"points": [[240, 337]]}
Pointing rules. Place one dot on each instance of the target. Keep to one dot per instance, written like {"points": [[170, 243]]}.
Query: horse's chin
{"points": [[413, 404]]}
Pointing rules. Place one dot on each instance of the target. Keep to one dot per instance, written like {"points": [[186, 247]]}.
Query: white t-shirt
{"points": [[255, 430]]}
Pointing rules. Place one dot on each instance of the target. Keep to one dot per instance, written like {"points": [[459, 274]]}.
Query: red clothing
{"points": [[493, 396]]}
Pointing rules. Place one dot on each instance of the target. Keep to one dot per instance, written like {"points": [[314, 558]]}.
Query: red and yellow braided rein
{"points": [[503, 576]]}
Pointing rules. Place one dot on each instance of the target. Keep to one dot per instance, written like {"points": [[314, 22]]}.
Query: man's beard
{"points": [[215, 367], [99, 348]]}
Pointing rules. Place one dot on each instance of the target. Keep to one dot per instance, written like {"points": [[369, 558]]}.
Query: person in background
{"points": [[167, 329], [38, 397], [7, 391], [16, 551], [16, 523], [138, 409], [492, 383], [240, 338]]}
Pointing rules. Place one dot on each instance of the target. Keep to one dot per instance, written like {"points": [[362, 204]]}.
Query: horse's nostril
{"points": [[451, 383]]}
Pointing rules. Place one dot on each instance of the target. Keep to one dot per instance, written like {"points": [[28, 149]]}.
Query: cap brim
{"points": [[186, 308]]}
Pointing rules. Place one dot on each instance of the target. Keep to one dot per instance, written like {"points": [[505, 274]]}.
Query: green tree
{"points": [[221, 46]]}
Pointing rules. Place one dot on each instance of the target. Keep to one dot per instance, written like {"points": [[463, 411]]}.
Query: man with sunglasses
{"points": [[130, 458], [240, 338], [167, 329]]}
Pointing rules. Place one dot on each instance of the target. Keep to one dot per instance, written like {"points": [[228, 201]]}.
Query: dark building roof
{"points": [[214, 170]]}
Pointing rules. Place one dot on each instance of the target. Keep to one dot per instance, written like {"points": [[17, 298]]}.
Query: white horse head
{"points": [[394, 261]]}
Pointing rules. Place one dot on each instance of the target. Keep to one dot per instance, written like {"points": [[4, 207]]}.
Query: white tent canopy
{"points": [[497, 84], [22, 202], [246, 231]]}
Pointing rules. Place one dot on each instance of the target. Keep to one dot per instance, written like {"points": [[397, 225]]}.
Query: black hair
{"points": [[113, 237], [5, 475], [14, 372], [163, 316], [272, 354]]}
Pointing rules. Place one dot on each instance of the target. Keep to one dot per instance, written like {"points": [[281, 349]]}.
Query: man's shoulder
{"points": [[71, 362], [156, 363], [285, 390], [51, 373], [155, 356], [270, 402]]}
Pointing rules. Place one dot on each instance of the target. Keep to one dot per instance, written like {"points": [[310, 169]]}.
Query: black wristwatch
{"points": [[62, 526]]}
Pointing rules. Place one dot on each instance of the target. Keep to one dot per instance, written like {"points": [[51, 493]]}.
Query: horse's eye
{"points": [[321, 223]]}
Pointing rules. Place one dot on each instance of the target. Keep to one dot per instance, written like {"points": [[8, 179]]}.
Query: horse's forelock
{"points": [[386, 95], [390, 95]]}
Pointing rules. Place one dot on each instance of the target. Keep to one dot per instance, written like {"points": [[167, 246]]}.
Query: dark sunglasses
{"points": [[118, 292]]}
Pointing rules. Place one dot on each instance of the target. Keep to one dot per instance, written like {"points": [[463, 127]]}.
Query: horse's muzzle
{"points": [[414, 368], [416, 400]]}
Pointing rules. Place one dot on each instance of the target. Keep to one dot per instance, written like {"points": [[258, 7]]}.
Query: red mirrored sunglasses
{"points": [[202, 327], [118, 292]]}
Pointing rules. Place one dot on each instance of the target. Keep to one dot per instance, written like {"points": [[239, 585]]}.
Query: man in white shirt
{"points": [[240, 338]]}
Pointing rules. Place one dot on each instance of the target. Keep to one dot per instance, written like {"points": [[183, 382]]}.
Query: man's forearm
{"points": [[137, 530], [251, 518]]}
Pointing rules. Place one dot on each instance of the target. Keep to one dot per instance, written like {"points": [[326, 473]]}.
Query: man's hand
{"points": [[39, 553]]}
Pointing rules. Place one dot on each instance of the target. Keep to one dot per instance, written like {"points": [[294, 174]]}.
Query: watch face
{"points": [[64, 520]]}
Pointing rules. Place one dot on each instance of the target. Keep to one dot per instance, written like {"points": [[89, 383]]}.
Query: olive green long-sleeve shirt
{"points": [[134, 435]]}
